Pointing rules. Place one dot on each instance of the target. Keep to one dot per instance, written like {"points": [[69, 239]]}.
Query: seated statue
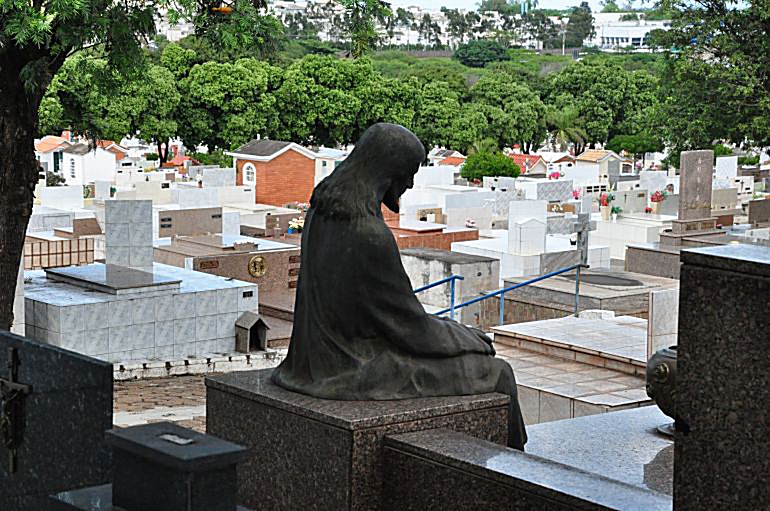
{"points": [[359, 331]]}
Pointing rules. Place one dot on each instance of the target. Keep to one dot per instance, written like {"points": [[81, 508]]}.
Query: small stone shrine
{"points": [[55, 406]]}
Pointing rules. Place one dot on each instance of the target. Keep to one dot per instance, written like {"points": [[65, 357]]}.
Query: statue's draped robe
{"points": [[359, 331]]}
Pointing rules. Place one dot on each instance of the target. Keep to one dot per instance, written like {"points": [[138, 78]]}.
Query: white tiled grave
{"points": [[571, 367], [122, 314], [618, 343]]}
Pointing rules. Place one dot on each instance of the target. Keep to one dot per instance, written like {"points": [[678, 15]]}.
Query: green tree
{"points": [[610, 6], [439, 107], [479, 53], [361, 15], [580, 26], [35, 40], [634, 145], [610, 100], [564, 127], [224, 105], [484, 163], [515, 114], [149, 106]]}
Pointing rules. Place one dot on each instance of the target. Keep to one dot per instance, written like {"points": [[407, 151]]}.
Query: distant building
{"points": [[282, 172], [79, 163], [610, 33], [529, 163]]}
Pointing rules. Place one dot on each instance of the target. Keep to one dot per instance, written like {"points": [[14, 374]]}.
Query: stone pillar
{"points": [[722, 457]]}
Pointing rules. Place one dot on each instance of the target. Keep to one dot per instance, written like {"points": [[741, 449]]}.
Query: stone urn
{"points": [[661, 380]]}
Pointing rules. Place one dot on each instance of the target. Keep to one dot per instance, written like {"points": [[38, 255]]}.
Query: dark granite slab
{"points": [[324, 454], [109, 278], [63, 419], [624, 446], [351, 415], [741, 258], [722, 453], [445, 470]]}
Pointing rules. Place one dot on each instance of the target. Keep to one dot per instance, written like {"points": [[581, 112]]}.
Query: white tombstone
{"points": [[726, 171], [128, 233], [527, 227]]}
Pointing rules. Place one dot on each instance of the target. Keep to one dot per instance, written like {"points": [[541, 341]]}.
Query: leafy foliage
{"points": [[486, 163], [479, 53]]}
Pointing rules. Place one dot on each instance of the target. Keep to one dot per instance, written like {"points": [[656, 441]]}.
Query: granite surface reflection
{"points": [[110, 276], [624, 446]]}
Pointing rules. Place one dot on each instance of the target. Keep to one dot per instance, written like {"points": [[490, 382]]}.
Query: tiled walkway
{"points": [[180, 399], [624, 337]]}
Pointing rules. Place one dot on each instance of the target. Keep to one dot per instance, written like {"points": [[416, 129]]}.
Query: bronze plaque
{"points": [[257, 266], [209, 265]]}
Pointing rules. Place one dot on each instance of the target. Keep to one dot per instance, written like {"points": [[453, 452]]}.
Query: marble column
{"points": [[722, 454]]}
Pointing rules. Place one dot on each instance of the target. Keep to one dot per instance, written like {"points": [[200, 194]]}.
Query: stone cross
{"points": [[697, 168]]}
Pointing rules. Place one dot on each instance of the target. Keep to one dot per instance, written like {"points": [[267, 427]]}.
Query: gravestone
{"points": [[128, 233], [695, 187], [55, 406], [759, 212], [722, 447]]}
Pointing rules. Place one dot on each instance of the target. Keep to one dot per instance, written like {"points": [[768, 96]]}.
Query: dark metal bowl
{"points": [[661, 380]]}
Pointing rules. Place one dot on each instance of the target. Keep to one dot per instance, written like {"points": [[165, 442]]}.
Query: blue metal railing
{"points": [[452, 279], [501, 292]]}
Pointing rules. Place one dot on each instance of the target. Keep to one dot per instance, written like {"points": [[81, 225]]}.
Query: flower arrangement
{"points": [[605, 199], [616, 210], [555, 175], [648, 210], [658, 196], [296, 225], [576, 193], [302, 206]]}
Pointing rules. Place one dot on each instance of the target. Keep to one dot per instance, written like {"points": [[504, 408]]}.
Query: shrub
{"points": [[480, 52], [490, 164]]}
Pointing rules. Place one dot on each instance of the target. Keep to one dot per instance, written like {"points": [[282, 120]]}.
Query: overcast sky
{"points": [[468, 4]]}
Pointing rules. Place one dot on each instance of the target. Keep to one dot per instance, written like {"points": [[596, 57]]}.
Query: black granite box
{"points": [[309, 453], [61, 422]]}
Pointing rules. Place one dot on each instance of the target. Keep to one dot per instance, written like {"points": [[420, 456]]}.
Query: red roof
{"points": [[50, 143], [112, 147], [526, 161], [453, 160]]}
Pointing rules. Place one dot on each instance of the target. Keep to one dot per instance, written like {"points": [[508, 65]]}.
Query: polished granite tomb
{"points": [[722, 458], [326, 453], [614, 461]]}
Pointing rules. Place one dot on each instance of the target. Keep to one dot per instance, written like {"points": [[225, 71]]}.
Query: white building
{"points": [[610, 33], [82, 164]]}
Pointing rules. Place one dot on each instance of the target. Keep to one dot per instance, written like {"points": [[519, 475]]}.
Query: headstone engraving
{"points": [[695, 184]]}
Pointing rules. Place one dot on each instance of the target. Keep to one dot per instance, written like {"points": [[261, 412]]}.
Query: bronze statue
{"points": [[359, 331]]}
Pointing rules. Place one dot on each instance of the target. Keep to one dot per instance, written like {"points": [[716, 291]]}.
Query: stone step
{"points": [[276, 311], [618, 344], [552, 388]]}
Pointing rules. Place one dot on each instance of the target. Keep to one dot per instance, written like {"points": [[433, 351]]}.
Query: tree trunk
{"points": [[18, 176], [162, 154]]}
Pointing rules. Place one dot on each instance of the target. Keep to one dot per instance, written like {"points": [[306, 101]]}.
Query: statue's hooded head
{"points": [[378, 171]]}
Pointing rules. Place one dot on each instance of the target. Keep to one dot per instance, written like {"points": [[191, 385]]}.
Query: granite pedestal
{"points": [[722, 454], [60, 423], [325, 454]]}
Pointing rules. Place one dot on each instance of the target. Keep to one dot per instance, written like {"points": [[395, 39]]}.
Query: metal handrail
{"points": [[438, 283], [501, 292], [451, 279]]}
